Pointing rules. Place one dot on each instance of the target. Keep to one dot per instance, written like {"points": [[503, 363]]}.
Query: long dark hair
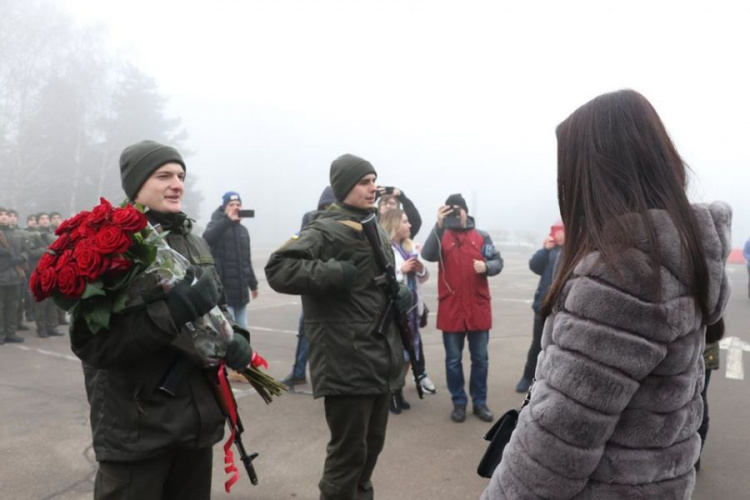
{"points": [[614, 157]]}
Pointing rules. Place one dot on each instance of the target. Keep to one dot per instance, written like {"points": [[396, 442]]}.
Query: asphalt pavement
{"points": [[45, 438]]}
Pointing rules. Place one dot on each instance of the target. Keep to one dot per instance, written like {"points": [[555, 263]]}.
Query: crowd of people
{"points": [[20, 250], [627, 316]]}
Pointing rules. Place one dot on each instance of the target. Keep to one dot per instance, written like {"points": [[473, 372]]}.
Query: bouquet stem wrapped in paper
{"points": [[211, 333]]}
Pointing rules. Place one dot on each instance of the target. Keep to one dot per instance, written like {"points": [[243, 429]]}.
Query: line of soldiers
{"points": [[20, 251]]}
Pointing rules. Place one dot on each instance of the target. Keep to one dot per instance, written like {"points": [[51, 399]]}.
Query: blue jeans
{"points": [[239, 314], [454, 370], [300, 357]]}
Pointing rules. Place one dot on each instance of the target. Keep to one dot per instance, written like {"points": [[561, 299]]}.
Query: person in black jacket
{"points": [[543, 263], [230, 246]]}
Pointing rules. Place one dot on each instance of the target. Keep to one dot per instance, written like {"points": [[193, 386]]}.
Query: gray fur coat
{"points": [[617, 404]]}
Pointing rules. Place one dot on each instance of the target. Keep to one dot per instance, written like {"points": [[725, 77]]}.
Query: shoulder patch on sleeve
{"points": [[354, 225]]}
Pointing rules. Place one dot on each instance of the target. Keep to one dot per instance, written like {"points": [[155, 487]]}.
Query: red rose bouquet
{"points": [[97, 254]]}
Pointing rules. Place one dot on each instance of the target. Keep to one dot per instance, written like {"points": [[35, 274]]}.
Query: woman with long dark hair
{"points": [[616, 406]]}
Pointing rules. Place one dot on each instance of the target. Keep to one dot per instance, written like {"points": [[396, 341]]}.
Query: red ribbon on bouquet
{"points": [[226, 393]]}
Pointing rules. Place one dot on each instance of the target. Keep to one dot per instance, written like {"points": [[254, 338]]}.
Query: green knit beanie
{"points": [[346, 171], [140, 160]]}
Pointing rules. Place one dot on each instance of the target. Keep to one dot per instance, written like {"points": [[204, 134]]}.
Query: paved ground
{"points": [[45, 435]]}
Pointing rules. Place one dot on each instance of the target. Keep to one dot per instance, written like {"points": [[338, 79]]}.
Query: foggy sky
{"points": [[441, 97]]}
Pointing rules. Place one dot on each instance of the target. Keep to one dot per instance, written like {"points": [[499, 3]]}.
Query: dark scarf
{"points": [[177, 223]]}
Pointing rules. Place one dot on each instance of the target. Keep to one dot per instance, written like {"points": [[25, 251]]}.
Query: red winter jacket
{"points": [[463, 295]]}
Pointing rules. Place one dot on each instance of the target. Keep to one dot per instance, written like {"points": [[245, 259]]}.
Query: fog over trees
{"points": [[67, 109], [441, 97]]}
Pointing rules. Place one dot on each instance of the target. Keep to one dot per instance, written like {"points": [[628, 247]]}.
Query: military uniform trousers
{"points": [[45, 315], [357, 425], [179, 475], [9, 297]]}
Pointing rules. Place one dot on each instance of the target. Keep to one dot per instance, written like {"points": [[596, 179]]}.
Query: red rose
{"points": [[47, 260], [129, 219], [61, 243], [83, 245], [112, 240], [120, 264], [47, 280], [64, 259], [91, 264], [85, 230], [99, 213], [70, 283], [36, 287], [76, 234], [72, 223]]}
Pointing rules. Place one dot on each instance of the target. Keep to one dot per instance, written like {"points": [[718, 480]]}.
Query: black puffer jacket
{"points": [[230, 247]]}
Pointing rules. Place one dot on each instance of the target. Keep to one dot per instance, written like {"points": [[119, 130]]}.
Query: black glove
{"points": [[404, 299], [187, 301], [238, 353], [350, 273]]}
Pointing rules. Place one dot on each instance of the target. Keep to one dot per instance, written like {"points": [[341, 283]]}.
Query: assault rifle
{"points": [[391, 312], [176, 376]]}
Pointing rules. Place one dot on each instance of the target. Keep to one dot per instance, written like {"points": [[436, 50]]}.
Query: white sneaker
{"points": [[427, 385]]}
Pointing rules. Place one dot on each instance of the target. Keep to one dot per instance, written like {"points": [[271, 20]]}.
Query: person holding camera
{"points": [[390, 198], [543, 263], [467, 257], [230, 247]]}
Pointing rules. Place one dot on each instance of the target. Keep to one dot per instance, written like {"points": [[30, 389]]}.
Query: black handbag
{"points": [[424, 316], [499, 436]]}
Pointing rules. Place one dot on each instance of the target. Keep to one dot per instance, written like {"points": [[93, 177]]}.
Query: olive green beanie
{"points": [[346, 171], [140, 160]]}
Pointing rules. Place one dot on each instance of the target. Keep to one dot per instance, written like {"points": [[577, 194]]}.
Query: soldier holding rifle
{"points": [[353, 365]]}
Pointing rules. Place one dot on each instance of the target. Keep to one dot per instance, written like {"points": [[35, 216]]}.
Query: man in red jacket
{"points": [[466, 258]]}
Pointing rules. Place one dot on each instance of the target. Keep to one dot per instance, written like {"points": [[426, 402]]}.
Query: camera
{"points": [[246, 214], [389, 189], [453, 219]]}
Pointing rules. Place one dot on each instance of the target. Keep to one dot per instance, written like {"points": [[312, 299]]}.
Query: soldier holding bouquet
{"points": [[150, 444]]}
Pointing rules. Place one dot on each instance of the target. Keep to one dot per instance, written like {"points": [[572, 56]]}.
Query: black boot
{"points": [[290, 380], [459, 413], [395, 406], [404, 404], [13, 338]]}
